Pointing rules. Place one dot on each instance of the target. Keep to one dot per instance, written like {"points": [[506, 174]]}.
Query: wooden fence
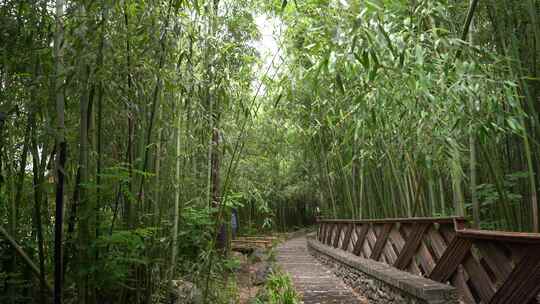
{"points": [[485, 266]]}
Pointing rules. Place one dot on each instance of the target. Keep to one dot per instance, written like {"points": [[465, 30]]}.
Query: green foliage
{"points": [[126, 251], [278, 289], [195, 233], [368, 109], [385, 99]]}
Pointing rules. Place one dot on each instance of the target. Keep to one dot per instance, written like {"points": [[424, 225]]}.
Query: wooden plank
{"points": [[448, 233], [323, 232], [394, 245], [371, 238], [523, 284], [338, 235], [347, 239], [389, 252], [266, 238], [411, 245], [450, 220], [494, 257], [414, 268], [361, 238], [480, 280], [397, 239], [459, 280], [425, 258], [252, 242], [329, 234], [457, 250], [381, 241], [437, 242], [503, 236], [327, 228], [366, 248], [517, 251]]}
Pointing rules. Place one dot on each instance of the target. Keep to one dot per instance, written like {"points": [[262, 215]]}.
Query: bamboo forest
{"points": [[269, 151]]}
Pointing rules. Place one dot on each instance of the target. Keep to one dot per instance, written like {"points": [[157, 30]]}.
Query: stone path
{"points": [[315, 283]]}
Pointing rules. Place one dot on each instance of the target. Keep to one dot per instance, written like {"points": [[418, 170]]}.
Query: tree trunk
{"points": [[176, 218], [61, 148]]}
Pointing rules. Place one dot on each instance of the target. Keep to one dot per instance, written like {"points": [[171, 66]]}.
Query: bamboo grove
{"points": [[407, 110], [113, 115], [130, 130]]}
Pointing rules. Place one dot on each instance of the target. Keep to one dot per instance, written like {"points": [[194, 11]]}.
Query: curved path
{"points": [[314, 281]]}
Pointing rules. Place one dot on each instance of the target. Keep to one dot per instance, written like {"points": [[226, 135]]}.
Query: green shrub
{"points": [[278, 290]]}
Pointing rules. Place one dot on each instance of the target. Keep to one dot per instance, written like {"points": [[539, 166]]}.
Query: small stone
{"points": [[258, 255], [262, 271]]}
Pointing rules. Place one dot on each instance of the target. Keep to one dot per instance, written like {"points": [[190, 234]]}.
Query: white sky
{"points": [[270, 29]]}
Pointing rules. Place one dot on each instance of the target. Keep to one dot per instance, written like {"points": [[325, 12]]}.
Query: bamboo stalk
{"points": [[26, 259]]}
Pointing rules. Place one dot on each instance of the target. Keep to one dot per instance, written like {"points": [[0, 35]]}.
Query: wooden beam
{"points": [[523, 284], [454, 254], [321, 234], [381, 241], [360, 240], [338, 235], [503, 236], [329, 234], [347, 237], [411, 245], [480, 279], [440, 220]]}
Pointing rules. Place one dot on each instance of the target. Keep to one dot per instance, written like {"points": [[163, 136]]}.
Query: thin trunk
{"points": [[456, 174], [431, 189], [472, 169], [85, 261], [361, 195], [472, 150], [157, 169], [442, 198], [38, 188], [20, 177], [37, 182], [131, 124], [155, 103], [532, 180], [99, 63], [533, 14], [176, 198], [216, 188], [61, 148]]}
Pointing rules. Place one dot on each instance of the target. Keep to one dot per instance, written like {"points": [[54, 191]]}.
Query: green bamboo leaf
{"points": [[401, 58], [353, 44], [340, 83], [387, 38], [278, 99], [374, 57]]}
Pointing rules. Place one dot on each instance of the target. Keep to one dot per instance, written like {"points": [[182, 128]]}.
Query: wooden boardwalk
{"points": [[315, 283]]}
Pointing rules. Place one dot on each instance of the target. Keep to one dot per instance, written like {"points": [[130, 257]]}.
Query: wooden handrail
{"points": [[450, 219], [485, 266], [505, 236]]}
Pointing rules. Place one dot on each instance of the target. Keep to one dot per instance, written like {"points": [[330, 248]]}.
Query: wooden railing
{"points": [[485, 266]]}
